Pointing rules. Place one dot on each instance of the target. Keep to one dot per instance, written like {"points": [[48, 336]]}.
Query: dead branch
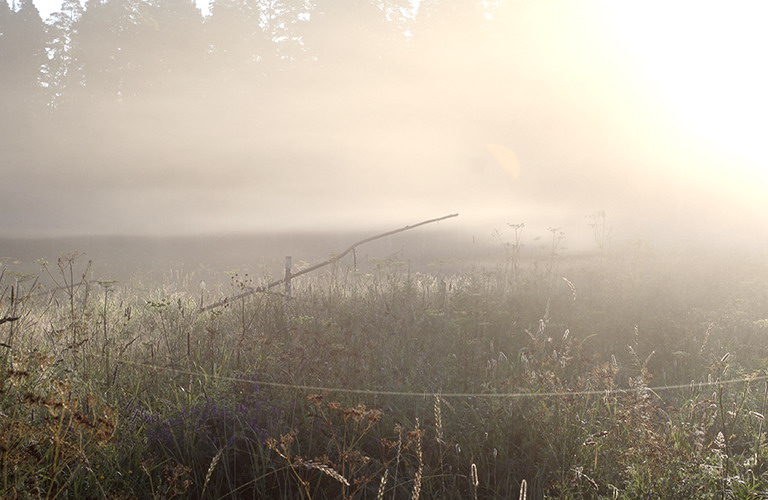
{"points": [[333, 259]]}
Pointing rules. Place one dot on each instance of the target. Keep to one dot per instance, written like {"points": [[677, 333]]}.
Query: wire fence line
{"points": [[458, 395], [73, 287]]}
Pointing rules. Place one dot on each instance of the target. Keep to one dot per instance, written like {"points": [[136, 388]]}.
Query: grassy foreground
{"points": [[126, 390]]}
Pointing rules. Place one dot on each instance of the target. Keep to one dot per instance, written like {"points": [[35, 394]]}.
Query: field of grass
{"points": [[632, 375]]}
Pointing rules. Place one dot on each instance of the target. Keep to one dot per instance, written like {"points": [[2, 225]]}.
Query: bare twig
{"points": [[333, 259]]}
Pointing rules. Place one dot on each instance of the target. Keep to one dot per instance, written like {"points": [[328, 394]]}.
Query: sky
{"points": [[46, 7], [653, 112]]}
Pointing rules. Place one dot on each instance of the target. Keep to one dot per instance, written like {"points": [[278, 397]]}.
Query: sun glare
{"points": [[703, 61]]}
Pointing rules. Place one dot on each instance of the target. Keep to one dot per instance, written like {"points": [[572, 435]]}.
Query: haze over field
{"points": [[149, 118], [209, 285]]}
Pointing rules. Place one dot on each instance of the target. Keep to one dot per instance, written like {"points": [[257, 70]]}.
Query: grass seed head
{"points": [[327, 470]]}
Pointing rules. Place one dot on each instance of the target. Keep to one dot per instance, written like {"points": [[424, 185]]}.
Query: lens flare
{"points": [[505, 158]]}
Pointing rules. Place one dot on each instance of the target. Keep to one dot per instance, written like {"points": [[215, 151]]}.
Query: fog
{"points": [[152, 119]]}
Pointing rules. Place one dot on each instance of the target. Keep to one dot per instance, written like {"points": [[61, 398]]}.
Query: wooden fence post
{"points": [[289, 274], [288, 265]]}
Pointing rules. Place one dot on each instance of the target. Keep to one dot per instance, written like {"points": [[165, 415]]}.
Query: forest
{"points": [[129, 81]]}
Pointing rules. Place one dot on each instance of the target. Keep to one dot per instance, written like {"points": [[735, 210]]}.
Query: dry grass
{"points": [[83, 415]]}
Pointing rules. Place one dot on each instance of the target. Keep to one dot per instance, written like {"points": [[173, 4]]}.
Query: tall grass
{"points": [[126, 390]]}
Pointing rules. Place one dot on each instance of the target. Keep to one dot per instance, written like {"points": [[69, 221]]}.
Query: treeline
{"points": [[124, 53], [102, 100]]}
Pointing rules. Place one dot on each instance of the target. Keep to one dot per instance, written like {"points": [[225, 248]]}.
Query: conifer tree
{"points": [[103, 46], [62, 72], [22, 53], [236, 36], [345, 32]]}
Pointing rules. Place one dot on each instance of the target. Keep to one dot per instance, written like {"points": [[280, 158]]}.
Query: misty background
{"points": [[150, 118]]}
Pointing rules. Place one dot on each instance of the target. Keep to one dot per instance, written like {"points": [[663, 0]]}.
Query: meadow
{"points": [[614, 374]]}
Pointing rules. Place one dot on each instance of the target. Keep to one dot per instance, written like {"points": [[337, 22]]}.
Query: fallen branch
{"points": [[333, 259]]}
